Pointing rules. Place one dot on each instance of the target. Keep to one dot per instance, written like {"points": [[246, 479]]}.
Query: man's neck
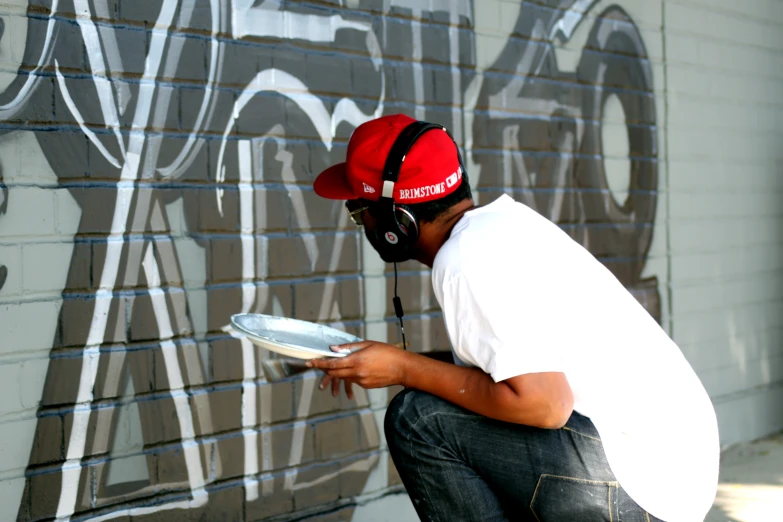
{"points": [[433, 236]]}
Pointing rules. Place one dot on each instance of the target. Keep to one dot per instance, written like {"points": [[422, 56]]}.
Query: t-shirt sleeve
{"points": [[506, 328]]}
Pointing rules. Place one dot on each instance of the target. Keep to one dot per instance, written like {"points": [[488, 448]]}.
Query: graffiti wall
{"points": [[186, 136]]}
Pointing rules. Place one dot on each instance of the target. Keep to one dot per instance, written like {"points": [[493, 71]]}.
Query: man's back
{"points": [[520, 296]]}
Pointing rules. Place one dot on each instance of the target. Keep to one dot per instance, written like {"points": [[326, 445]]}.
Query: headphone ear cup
{"points": [[407, 224], [395, 235]]}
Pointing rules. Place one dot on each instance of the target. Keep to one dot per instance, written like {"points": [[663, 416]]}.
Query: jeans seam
{"points": [[418, 465], [609, 504], [582, 434], [533, 498], [583, 481]]}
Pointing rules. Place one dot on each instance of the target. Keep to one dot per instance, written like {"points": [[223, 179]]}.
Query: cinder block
{"points": [[222, 302], [97, 432], [16, 328], [272, 212], [351, 298], [750, 415], [159, 420], [136, 13], [276, 402], [366, 79], [11, 267], [289, 256], [320, 213], [226, 359], [39, 274], [323, 485], [328, 73], [169, 467], [309, 400], [16, 434], [288, 446], [107, 494], [316, 301], [356, 473], [224, 407], [274, 498], [48, 441], [294, 62], [30, 213], [132, 41], [369, 432], [100, 165], [45, 493], [188, 366], [143, 322], [15, 489], [242, 62], [225, 260], [336, 438], [225, 503], [61, 384], [190, 98]]}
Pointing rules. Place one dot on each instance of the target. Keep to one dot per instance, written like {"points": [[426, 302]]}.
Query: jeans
{"points": [[458, 465]]}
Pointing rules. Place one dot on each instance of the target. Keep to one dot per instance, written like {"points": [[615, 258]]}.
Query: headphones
{"points": [[397, 228]]}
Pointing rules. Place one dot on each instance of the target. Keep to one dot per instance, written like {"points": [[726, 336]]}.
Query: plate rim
{"points": [[295, 347]]}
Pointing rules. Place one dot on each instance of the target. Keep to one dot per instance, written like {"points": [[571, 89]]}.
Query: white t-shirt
{"points": [[520, 296]]}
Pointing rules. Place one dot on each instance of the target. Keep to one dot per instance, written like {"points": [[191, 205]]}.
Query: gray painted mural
{"points": [[214, 116]]}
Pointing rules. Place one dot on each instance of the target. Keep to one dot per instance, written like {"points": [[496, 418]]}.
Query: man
{"points": [[567, 401]]}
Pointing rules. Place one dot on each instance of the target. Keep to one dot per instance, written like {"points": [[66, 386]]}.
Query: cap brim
{"points": [[333, 183]]}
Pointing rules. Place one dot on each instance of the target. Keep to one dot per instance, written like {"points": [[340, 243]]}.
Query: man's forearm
{"points": [[474, 390]]}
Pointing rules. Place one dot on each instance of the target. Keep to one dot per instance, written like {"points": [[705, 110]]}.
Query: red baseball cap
{"points": [[431, 169]]}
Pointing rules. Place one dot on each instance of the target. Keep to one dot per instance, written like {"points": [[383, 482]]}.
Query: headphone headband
{"points": [[401, 146]]}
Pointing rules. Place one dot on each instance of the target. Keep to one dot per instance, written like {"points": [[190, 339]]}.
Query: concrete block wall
{"points": [[156, 162], [724, 113]]}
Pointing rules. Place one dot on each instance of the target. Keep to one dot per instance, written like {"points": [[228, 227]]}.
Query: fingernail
{"points": [[309, 364]]}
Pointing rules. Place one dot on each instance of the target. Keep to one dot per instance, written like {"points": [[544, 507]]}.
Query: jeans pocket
{"points": [[565, 499]]}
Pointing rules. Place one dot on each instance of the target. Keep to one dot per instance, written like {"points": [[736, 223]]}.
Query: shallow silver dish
{"points": [[291, 337]]}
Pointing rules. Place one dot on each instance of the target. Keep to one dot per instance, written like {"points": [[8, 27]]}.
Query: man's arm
{"points": [[543, 400]]}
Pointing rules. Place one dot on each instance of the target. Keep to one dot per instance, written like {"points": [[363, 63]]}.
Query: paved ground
{"points": [[751, 483]]}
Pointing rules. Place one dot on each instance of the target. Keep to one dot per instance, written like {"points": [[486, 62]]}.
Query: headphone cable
{"points": [[398, 309]]}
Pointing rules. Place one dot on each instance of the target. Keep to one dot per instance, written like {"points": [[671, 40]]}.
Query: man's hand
{"points": [[544, 400], [372, 365]]}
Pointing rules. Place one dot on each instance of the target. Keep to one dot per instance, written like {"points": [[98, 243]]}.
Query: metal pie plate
{"points": [[291, 337]]}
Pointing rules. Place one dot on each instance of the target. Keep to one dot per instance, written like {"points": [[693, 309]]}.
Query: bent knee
{"points": [[407, 409]]}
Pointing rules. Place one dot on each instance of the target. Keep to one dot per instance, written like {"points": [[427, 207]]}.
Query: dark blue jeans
{"points": [[458, 465]]}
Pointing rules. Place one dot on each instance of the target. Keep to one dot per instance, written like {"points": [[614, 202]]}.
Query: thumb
{"points": [[350, 347], [341, 348]]}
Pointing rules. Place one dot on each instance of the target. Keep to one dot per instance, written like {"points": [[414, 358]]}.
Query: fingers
{"points": [[330, 363], [349, 389], [335, 387]]}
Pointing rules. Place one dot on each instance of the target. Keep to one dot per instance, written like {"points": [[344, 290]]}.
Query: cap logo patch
{"points": [[368, 189], [454, 178]]}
